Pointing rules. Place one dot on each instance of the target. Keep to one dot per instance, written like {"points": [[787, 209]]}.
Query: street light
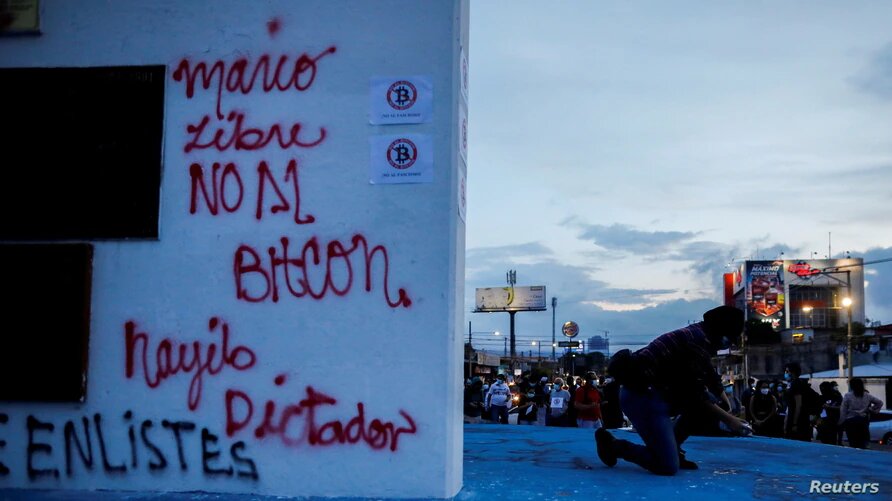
{"points": [[808, 309], [534, 343], [847, 303]]}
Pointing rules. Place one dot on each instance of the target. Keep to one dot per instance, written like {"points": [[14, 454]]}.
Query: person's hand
{"points": [[740, 427]]}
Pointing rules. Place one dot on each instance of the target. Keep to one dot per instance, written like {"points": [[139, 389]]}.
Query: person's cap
{"points": [[559, 381], [544, 379], [500, 376], [724, 320]]}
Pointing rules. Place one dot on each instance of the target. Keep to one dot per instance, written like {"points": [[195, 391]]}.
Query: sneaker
{"points": [[684, 464], [604, 444]]}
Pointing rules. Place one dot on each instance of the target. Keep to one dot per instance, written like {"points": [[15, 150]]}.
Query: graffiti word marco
{"points": [[172, 358], [240, 76]]}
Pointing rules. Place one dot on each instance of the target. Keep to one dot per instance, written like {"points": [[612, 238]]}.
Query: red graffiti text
{"points": [[233, 134], [240, 76], [172, 358], [257, 279], [297, 422], [228, 189]]}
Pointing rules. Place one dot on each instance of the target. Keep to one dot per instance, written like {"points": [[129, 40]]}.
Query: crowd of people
{"points": [[668, 391], [590, 402], [787, 408]]}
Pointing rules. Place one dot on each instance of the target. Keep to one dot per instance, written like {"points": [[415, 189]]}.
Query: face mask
{"points": [[764, 391], [531, 395], [729, 390], [787, 376], [608, 380]]}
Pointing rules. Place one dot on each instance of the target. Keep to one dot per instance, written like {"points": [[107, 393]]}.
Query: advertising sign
{"points": [[511, 298], [570, 329], [765, 291]]}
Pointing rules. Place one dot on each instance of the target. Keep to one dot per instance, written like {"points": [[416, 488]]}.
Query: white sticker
{"points": [[401, 159], [400, 100]]}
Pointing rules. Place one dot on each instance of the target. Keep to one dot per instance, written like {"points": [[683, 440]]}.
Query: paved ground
{"points": [[534, 463]]}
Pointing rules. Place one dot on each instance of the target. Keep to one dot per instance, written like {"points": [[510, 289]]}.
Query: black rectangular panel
{"points": [[46, 321], [80, 152]]}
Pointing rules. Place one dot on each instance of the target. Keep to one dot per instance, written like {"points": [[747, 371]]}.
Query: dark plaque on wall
{"points": [[80, 152], [46, 321]]}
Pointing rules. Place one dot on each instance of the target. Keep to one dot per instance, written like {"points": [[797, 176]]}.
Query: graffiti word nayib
{"points": [[227, 190], [172, 357], [84, 436], [240, 76], [258, 279], [296, 422]]}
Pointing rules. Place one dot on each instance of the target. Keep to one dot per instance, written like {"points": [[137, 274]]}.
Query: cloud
{"points": [[876, 78], [625, 238]]}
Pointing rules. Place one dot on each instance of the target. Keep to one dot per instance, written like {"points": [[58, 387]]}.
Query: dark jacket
{"points": [[677, 364]]}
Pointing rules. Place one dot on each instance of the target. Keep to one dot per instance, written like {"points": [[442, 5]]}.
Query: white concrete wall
{"points": [[399, 362]]}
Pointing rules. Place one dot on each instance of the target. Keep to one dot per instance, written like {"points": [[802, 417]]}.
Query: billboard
{"points": [[510, 298], [765, 291]]}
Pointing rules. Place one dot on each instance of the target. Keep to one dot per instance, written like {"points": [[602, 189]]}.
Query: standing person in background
{"points": [[611, 412], [526, 408], [800, 400], [857, 406], [746, 396], [734, 405], [779, 392], [559, 404], [498, 399], [763, 407], [588, 403], [542, 394], [571, 412], [828, 425], [474, 398]]}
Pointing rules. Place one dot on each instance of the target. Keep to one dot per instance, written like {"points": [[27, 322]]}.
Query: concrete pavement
{"points": [[534, 463]]}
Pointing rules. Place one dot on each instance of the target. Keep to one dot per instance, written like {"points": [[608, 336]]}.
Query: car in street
{"points": [[881, 428]]}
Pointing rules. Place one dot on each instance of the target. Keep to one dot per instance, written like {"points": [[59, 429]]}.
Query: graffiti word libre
{"points": [[297, 422], [287, 73], [86, 446], [227, 190], [171, 357], [233, 134], [258, 279]]}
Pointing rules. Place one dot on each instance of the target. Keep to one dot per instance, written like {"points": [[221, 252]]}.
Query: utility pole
{"points": [[512, 279], [553, 308]]}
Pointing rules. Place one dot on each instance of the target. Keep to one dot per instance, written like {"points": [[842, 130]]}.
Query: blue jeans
{"points": [[499, 413], [650, 416]]}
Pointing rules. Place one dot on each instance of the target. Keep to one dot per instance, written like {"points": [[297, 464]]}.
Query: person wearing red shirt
{"points": [[587, 402]]}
